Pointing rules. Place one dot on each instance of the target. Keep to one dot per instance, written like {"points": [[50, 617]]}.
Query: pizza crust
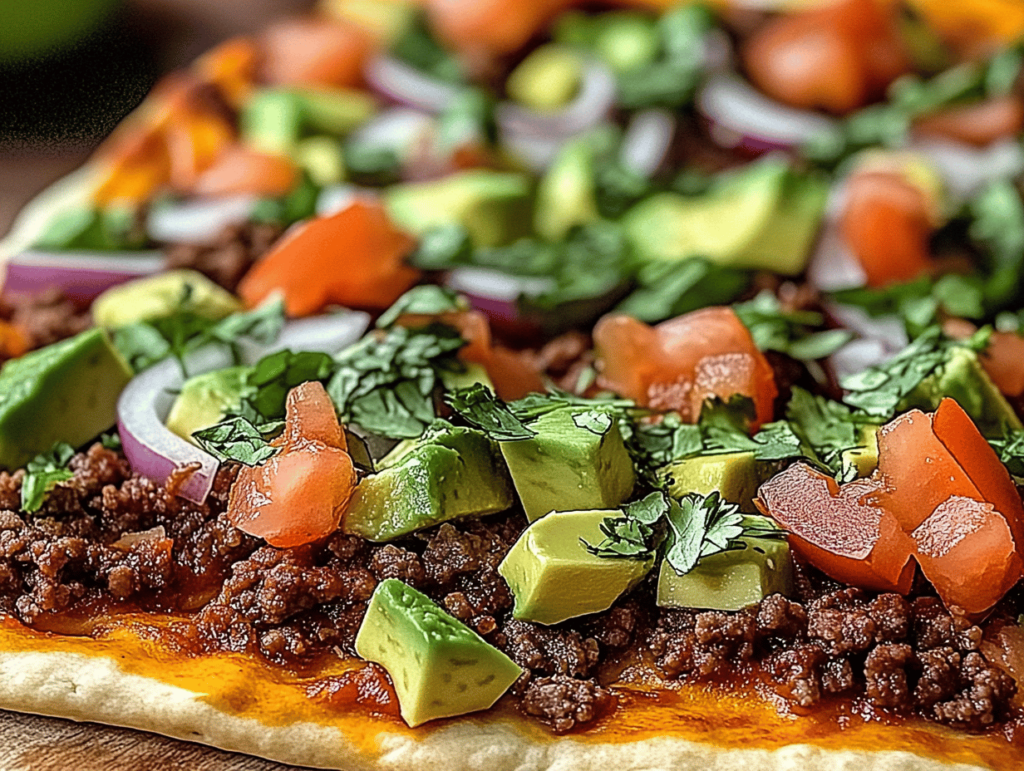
{"points": [[96, 689]]}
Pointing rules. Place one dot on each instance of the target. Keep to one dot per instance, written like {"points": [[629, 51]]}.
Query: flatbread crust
{"points": [[96, 689]]}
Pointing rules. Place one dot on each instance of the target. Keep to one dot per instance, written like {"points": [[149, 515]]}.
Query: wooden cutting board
{"points": [[30, 743]]}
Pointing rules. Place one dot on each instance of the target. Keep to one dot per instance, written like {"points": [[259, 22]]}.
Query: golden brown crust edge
{"points": [[95, 689]]}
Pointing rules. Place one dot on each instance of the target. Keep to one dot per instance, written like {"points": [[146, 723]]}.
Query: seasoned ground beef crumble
{"points": [[109, 536]]}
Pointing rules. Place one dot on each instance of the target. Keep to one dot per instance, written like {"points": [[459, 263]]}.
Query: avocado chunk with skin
{"points": [[734, 475], [163, 295], [449, 473], [730, 580], [65, 392], [439, 666], [764, 217], [963, 378], [554, 578], [577, 460], [204, 400], [493, 207]]}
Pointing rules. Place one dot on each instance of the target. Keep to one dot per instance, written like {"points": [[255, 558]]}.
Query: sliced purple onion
{"points": [[966, 169], [406, 85], [197, 221], [741, 116], [495, 293], [155, 451], [592, 104], [82, 276], [646, 141]]}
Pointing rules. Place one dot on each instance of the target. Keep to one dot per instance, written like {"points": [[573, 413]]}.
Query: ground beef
{"points": [[551, 650], [229, 256], [563, 702], [45, 317]]}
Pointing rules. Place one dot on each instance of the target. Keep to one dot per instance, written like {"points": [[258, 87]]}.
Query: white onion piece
{"points": [[591, 105], [82, 276], [336, 198], [406, 85], [887, 329], [534, 152], [401, 129], [966, 169], [155, 451], [495, 293], [647, 141], [857, 355], [833, 266], [197, 221], [741, 116]]}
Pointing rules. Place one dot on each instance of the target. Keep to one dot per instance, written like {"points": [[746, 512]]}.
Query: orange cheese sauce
{"points": [[352, 697]]}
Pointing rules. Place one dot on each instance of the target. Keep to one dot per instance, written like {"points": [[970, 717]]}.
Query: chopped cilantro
{"points": [[796, 333], [482, 409], [668, 289], [593, 421], [43, 472], [426, 300], [1010, 449], [239, 440]]}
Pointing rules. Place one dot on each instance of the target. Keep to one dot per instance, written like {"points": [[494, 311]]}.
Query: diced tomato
{"points": [[314, 51], [842, 531], [13, 341], [354, 258], [1003, 359], [977, 124], [487, 28], [680, 363], [838, 57], [242, 170], [887, 223], [939, 495], [299, 495], [231, 67]]}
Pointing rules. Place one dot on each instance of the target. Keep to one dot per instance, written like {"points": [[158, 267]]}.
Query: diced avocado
{"points": [[627, 40], [862, 461], [86, 227], [322, 159], [763, 217], [547, 79], [446, 474], [730, 580], [471, 375], [334, 111], [494, 207], [65, 392], [204, 399], [271, 121], [163, 295], [384, 21], [439, 666], [554, 577], [577, 460], [567, 194], [964, 379], [733, 474]]}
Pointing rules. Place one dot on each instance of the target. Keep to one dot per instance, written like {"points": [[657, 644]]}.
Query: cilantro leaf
{"points": [[796, 333], [239, 440], [593, 421], [668, 289], [634, 534], [482, 409], [43, 472], [426, 300], [1010, 449]]}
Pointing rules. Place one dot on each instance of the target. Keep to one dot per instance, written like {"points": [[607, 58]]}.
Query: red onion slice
{"points": [[592, 104], [82, 276], [155, 451], [647, 141], [742, 116], [197, 221], [495, 293], [406, 85]]}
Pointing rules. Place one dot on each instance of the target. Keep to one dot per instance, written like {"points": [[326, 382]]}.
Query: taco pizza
{"points": [[461, 385]]}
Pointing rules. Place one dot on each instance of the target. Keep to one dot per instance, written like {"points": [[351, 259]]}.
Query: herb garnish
{"points": [[798, 334], [688, 529], [482, 409], [240, 440], [43, 472]]}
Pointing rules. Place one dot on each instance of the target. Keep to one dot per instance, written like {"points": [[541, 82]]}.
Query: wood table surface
{"points": [[32, 743]]}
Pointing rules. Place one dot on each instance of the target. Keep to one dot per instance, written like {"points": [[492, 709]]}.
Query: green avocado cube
{"points": [[65, 392], [730, 580], [733, 474], [447, 474], [566, 195], [577, 460], [163, 295], [859, 462], [554, 578], [439, 666], [493, 207], [963, 378], [204, 400]]}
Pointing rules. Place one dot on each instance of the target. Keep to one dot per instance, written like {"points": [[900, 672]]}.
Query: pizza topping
{"points": [[680, 363], [439, 666], [300, 494], [352, 258]]}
